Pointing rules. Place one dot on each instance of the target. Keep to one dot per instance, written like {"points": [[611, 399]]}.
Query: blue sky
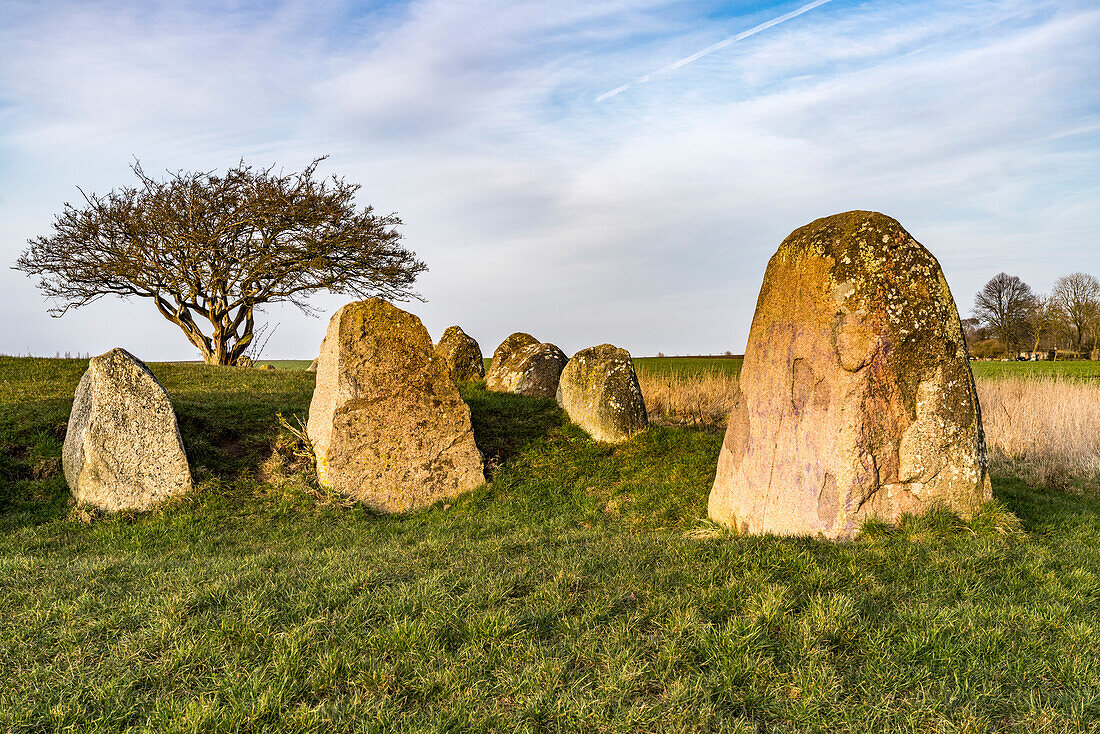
{"points": [[540, 203]]}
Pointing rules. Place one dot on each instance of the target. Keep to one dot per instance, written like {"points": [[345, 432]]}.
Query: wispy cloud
{"points": [[714, 47], [645, 222]]}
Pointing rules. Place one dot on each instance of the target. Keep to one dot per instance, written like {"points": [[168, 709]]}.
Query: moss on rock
{"points": [[525, 366], [386, 421], [600, 393], [462, 355], [856, 398]]}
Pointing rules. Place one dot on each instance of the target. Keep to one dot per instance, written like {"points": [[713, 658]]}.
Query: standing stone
{"points": [[312, 365], [387, 424], [856, 398], [600, 392], [504, 353], [532, 369], [123, 449], [462, 355]]}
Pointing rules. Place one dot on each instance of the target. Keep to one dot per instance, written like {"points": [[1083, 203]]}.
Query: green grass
{"points": [[1074, 369], [577, 591], [688, 365], [286, 364]]}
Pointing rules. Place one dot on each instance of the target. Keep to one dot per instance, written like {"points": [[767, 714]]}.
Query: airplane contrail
{"points": [[715, 47]]}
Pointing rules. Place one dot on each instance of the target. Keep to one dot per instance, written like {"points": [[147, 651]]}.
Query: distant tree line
{"points": [[1009, 317]]}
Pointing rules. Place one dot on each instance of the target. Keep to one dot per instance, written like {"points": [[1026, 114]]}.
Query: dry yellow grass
{"points": [[702, 398], [1044, 429]]}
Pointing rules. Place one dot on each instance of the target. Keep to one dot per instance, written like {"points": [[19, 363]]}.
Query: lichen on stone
{"points": [[599, 391], [856, 325]]}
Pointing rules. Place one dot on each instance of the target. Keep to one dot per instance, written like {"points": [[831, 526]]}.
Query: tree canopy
{"points": [[1078, 297], [212, 247], [1005, 304]]}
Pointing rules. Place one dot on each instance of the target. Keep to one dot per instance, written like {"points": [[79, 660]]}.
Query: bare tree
{"points": [[215, 247], [1046, 319], [1078, 296], [972, 331], [1005, 305]]}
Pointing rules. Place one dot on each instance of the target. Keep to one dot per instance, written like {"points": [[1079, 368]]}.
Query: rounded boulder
{"points": [[600, 393], [855, 399], [462, 355], [504, 354], [532, 370]]}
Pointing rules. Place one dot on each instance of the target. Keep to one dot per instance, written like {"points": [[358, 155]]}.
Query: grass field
{"points": [[1072, 369], [577, 591], [689, 366]]}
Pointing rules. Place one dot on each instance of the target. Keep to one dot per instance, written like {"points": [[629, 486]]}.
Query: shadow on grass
{"points": [[1045, 509], [505, 424]]}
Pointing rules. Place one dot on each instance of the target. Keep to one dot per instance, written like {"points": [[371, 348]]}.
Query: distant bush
{"points": [[988, 348]]}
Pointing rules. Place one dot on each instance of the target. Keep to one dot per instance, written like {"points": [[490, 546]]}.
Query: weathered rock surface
{"points": [[524, 366], [123, 449], [856, 398], [462, 355], [600, 393], [386, 421], [312, 365], [503, 354]]}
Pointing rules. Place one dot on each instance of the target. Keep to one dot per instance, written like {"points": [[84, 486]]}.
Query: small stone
{"points": [[462, 355], [123, 449], [600, 393]]}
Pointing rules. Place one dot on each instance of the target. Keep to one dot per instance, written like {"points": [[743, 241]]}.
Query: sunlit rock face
{"points": [[856, 398], [462, 355], [600, 393], [387, 424], [525, 366]]}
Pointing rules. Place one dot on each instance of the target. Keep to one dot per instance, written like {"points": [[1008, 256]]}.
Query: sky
{"points": [[597, 171]]}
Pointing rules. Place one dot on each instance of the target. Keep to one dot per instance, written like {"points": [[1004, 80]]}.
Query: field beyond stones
{"points": [[579, 590]]}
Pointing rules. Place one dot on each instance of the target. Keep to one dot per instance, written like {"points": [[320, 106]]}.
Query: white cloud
{"points": [[645, 220]]}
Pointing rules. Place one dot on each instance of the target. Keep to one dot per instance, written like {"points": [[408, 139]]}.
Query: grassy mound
{"points": [[577, 591]]}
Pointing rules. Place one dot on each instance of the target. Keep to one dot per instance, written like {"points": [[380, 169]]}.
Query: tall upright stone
{"points": [[599, 391], [462, 355], [123, 449], [856, 398], [387, 424]]}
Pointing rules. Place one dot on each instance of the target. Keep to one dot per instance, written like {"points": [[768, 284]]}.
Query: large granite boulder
{"points": [[462, 355], [386, 422], [123, 449], [531, 369], [856, 398], [600, 393]]}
